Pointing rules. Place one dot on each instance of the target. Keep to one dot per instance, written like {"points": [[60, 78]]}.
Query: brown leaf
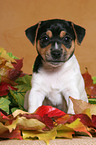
{"points": [[89, 86], [82, 107], [79, 105]]}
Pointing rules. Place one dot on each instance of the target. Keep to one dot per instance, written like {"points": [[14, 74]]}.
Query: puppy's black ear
{"points": [[31, 33], [79, 32]]}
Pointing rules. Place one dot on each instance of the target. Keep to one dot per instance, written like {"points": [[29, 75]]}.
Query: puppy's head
{"points": [[55, 40]]}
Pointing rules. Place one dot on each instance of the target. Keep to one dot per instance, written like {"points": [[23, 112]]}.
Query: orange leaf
{"points": [[78, 126]]}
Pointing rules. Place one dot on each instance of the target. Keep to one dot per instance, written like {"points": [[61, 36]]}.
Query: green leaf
{"points": [[25, 80], [4, 104], [13, 109], [92, 101], [94, 80], [11, 55], [18, 97]]}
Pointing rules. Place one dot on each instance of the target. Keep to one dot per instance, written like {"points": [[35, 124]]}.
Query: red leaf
{"points": [[16, 72], [90, 87], [84, 119], [91, 91], [4, 88], [50, 111], [18, 65], [15, 134], [94, 120], [3, 118], [48, 121], [87, 78]]}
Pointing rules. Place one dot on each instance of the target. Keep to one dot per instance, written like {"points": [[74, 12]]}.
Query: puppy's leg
{"points": [[35, 99], [76, 94], [73, 93]]}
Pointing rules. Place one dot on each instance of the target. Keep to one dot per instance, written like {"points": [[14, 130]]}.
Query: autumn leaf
{"points": [[82, 107], [45, 136], [4, 88], [88, 79], [89, 85], [50, 111], [3, 116], [15, 134], [18, 112], [64, 131], [84, 118], [63, 119], [4, 55], [79, 105], [78, 126], [94, 120]]}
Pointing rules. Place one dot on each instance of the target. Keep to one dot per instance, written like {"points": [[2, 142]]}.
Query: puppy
{"points": [[56, 72]]}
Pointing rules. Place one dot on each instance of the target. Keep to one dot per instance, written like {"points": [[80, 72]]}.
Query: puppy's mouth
{"points": [[55, 63]]}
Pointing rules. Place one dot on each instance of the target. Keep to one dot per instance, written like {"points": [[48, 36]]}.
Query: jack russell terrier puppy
{"points": [[56, 72]]}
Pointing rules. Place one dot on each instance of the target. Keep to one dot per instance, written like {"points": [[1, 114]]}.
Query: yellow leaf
{"points": [[18, 111], [26, 124], [45, 136], [4, 54], [64, 131]]}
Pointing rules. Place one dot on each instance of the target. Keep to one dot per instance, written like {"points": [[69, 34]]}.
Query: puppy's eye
{"points": [[44, 39], [67, 39]]}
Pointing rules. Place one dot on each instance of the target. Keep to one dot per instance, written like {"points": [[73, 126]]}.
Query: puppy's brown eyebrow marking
{"points": [[62, 34], [49, 33]]}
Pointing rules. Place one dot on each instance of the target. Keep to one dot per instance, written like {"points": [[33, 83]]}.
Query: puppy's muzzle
{"points": [[56, 54]]}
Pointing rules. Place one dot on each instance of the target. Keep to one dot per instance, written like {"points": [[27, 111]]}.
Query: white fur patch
{"points": [[66, 80]]}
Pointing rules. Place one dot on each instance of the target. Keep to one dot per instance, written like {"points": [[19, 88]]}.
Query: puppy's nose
{"points": [[56, 54]]}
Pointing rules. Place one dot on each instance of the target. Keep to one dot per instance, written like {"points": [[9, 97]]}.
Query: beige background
{"points": [[17, 15]]}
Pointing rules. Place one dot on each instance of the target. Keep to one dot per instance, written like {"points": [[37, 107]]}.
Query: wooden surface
{"points": [[16, 16]]}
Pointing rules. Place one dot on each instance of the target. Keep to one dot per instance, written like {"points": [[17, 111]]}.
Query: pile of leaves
{"points": [[13, 82], [46, 122]]}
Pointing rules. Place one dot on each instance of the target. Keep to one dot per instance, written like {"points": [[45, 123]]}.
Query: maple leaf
{"points": [[3, 116], [84, 118], [45, 136], [78, 126], [10, 69], [15, 134], [4, 88], [64, 131], [89, 85], [79, 105], [6, 57], [50, 111]]}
